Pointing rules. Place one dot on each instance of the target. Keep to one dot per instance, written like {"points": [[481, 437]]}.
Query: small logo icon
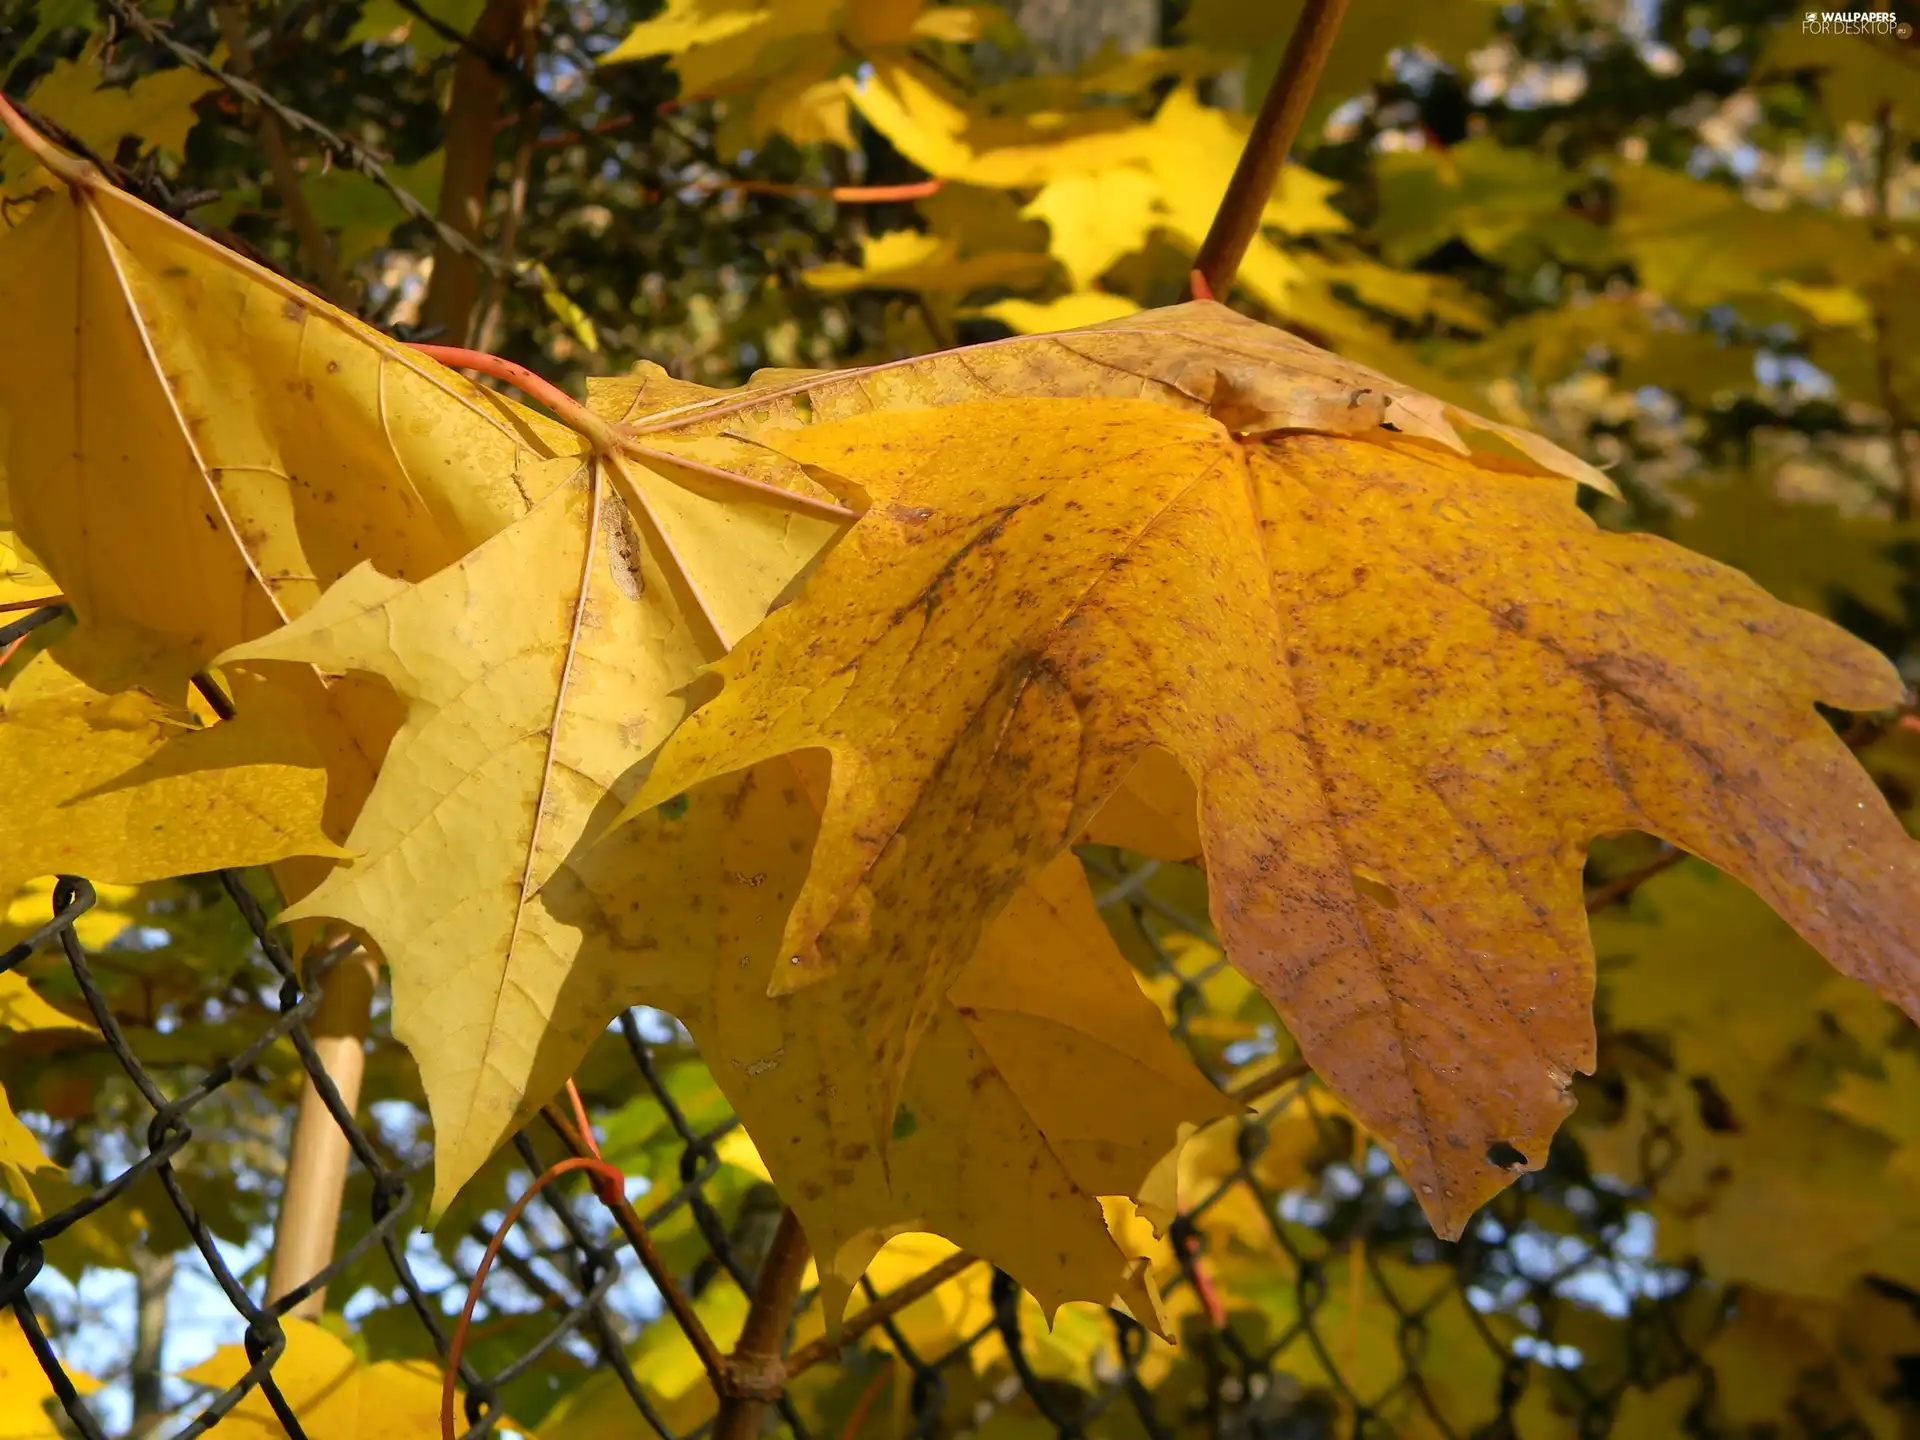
{"points": [[1854, 22]]}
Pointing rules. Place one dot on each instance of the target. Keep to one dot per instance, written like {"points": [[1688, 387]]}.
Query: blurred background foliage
{"points": [[1683, 239]]}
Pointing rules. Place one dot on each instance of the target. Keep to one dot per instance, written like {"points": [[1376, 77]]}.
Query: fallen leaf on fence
{"points": [[330, 1390], [1410, 687]]}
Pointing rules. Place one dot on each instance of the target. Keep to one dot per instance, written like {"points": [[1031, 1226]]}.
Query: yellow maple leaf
{"points": [[1502, 200], [1255, 607], [930, 123], [157, 109], [908, 260], [110, 915], [1803, 553], [1887, 1103], [1106, 179], [1189, 148], [28, 1406], [166, 396], [1696, 243], [1095, 218], [126, 788], [1064, 312], [1792, 1198], [1762, 1164], [23, 1012], [577, 630], [511, 947], [776, 62], [1013, 1087], [1659, 977], [329, 1389], [537, 672], [1058, 1346]]}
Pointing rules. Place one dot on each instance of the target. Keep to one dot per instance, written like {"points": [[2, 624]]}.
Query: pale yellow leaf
{"points": [[157, 109], [27, 1402], [1095, 218], [124, 788], [908, 260], [167, 398], [1065, 312], [330, 1390], [22, 1011]]}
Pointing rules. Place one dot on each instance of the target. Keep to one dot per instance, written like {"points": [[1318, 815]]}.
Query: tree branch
{"points": [[1261, 1085], [1237, 220], [1616, 890], [314, 244], [488, 328], [635, 1229], [1906, 501], [880, 1311], [756, 1370]]}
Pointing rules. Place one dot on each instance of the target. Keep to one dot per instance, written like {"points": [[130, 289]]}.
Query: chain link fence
{"points": [[1344, 1317]]}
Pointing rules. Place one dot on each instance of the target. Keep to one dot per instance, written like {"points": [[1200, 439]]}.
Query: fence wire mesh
{"points": [[1310, 1298]]}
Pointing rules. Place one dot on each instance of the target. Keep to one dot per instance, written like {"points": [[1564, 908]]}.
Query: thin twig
{"points": [[756, 1370], [346, 150], [1907, 500], [1262, 1085], [567, 410], [844, 194], [857, 1417], [880, 1311], [1237, 220], [450, 1380], [1616, 890], [517, 186], [314, 243], [635, 1229]]}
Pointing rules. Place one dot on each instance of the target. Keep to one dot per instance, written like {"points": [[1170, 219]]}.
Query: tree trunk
{"points": [[153, 1280], [473, 111]]}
